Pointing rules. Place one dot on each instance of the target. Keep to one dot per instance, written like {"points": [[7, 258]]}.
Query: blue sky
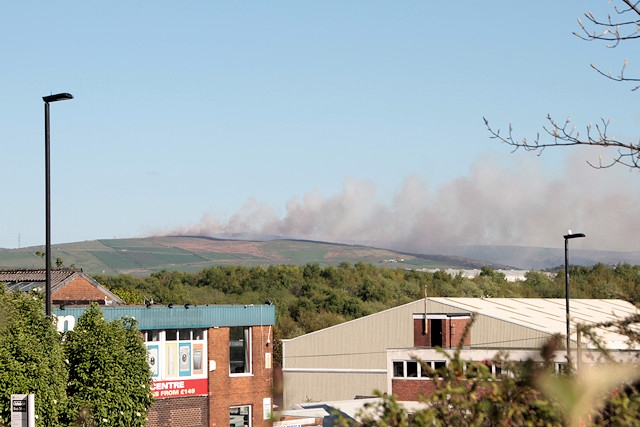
{"points": [[355, 121]]}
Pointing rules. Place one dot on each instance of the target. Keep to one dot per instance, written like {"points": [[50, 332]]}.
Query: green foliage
{"points": [[97, 375], [468, 394], [109, 377], [348, 291], [130, 296], [622, 408], [31, 357]]}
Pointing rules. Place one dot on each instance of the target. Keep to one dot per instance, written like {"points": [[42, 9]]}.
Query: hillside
{"points": [[527, 258], [140, 257]]}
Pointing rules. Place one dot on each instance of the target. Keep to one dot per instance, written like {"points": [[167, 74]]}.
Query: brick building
{"points": [[211, 365], [69, 286]]}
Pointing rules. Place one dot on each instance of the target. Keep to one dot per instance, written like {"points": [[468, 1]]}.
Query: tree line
{"points": [[311, 297]]}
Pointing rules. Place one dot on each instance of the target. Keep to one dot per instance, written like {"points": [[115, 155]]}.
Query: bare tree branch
{"points": [[566, 135], [613, 31]]}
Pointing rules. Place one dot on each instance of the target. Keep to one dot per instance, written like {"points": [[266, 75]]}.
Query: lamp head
{"points": [[573, 235], [57, 97]]}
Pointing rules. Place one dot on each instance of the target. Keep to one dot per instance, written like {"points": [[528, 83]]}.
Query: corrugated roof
{"points": [[549, 314], [28, 279], [181, 317]]}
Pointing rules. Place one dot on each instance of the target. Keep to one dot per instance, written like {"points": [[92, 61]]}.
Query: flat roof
{"points": [[185, 316]]}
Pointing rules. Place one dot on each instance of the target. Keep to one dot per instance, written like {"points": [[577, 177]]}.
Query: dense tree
{"points": [[623, 26], [31, 357], [96, 374], [109, 377]]}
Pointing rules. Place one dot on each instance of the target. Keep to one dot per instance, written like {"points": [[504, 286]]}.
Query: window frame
{"points": [[249, 415], [415, 374], [165, 347], [247, 347]]}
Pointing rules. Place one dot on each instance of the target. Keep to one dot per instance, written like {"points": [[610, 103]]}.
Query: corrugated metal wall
{"points": [[309, 387], [488, 332], [163, 317], [358, 344], [313, 363]]}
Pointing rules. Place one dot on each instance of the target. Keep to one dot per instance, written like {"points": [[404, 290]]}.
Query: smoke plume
{"points": [[518, 203]]}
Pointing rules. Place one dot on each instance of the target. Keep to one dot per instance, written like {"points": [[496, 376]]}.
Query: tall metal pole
{"points": [[47, 209], [566, 294], [47, 192], [566, 286]]}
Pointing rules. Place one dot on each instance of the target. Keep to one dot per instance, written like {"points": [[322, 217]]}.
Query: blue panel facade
{"points": [[182, 317]]}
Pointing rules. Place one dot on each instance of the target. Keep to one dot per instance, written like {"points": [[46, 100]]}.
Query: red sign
{"points": [[180, 388]]}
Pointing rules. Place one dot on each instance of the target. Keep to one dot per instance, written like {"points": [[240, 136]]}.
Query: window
{"points": [[240, 416], [239, 350], [412, 369], [415, 369], [561, 368], [439, 364], [398, 369], [436, 365], [151, 335], [423, 370], [171, 335]]}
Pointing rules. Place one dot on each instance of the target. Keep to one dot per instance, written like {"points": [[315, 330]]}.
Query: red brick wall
{"points": [[410, 389], [406, 389], [226, 391], [456, 330], [420, 338], [179, 412], [452, 330], [446, 333], [78, 290]]}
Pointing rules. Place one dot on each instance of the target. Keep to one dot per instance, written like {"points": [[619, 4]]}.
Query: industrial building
{"points": [[377, 352]]}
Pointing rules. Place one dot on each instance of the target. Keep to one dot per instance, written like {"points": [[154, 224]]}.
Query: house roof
{"points": [[35, 279], [29, 279]]}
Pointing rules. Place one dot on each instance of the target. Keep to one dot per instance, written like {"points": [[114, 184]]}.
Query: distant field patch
{"points": [[115, 260]]}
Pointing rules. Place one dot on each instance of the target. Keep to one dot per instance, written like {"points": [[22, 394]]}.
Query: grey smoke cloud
{"points": [[516, 203]]}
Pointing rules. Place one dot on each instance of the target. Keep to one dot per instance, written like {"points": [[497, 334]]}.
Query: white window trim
{"points": [[250, 413], [249, 373], [419, 367]]}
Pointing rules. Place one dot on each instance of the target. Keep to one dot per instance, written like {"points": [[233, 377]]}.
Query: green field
{"points": [[144, 256]]}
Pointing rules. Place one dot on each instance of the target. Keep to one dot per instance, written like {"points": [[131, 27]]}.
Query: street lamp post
{"points": [[47, 192], [567, 237]]}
